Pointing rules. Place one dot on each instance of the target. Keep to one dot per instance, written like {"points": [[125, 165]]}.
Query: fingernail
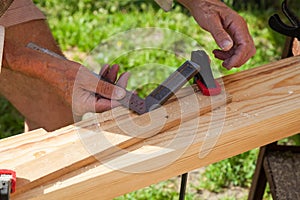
{"points": [[119, 93], [226, 45]]}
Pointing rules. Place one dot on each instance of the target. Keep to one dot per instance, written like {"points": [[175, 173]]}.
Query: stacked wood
{"points": [[117, 152]]}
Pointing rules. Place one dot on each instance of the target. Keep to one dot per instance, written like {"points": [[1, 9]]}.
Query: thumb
{"points": [[220, 35]]}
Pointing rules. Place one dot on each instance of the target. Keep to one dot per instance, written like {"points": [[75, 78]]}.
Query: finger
{"points": [[123, 80], [244, 45], [236, 60], [104, 70], [231, 58], [90, 82], [109, 90], [241, 53], [113, 73], [102, 105], [240, 56], [220, 35], [222, 55]]}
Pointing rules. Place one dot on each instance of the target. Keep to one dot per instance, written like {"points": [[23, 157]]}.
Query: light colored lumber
{"points": [[57, 153], [265, 107]]}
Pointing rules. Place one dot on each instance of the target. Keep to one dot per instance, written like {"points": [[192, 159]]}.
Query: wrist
{"points": [[196, 5]]}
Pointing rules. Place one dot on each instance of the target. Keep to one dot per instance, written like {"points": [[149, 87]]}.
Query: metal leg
{"points": [[183, 186], [259, 179]]}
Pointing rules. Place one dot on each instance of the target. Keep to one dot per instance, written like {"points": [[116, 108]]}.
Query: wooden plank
{"points": [[77, 146], [265, 108]]}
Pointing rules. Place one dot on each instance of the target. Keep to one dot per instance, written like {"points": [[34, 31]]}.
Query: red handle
{"points": [[209, 91], [13, 178]]}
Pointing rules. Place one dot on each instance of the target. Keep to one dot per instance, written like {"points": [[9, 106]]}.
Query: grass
{"points": [[11, 122], [163, 190], [110, 34], [149, 43], [235, 171]]}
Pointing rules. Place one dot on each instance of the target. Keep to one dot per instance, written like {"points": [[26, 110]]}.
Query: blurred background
{"points": [[91, 29]]}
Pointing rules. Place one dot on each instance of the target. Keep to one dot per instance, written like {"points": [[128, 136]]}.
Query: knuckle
{"points": [[105, 88]]}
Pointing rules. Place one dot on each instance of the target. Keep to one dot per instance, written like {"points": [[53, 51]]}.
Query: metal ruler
{"points": [[36, 47]]}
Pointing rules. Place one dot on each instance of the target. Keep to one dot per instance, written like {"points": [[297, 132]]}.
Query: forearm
{"points": [[207, 9], [207, 4], [227, 27], [47, 90], [58, 74]]}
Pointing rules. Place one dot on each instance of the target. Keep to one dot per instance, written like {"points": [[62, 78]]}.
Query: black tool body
{"points": [[205, 75], [171, 85], [163, 92]]}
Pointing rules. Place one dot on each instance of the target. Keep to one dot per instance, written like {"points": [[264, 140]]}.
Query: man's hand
{"points": [[227, 27], [50, 91], [73, 82], [87, 85]]}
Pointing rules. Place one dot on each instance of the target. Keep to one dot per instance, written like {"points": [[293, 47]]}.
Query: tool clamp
{"points": [[278, 25], [205, 79], [198, 68], [7, 183]]}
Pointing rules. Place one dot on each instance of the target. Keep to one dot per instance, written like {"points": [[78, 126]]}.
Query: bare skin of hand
{"points": [[227, 27], [74, 82], [86, 85], [49, 91]]}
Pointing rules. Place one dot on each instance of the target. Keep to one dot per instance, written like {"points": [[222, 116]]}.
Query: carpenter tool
{"points": [[278, 25], [7, 183], [163, 92], [198, 67], [205, 79]]}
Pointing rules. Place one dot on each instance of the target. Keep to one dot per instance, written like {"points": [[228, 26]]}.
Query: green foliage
{"points": [[161, 191], [148, 67], [86, 24], [267, 193], [296, 139], [11, 122], [235, 171]]}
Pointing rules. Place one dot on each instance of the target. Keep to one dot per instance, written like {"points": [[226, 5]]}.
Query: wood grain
{"points": [[265, 107], [65, 150]]}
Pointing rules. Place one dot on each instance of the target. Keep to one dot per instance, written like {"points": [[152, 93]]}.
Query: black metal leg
{"points": [[183, 186], [259, 179]]}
